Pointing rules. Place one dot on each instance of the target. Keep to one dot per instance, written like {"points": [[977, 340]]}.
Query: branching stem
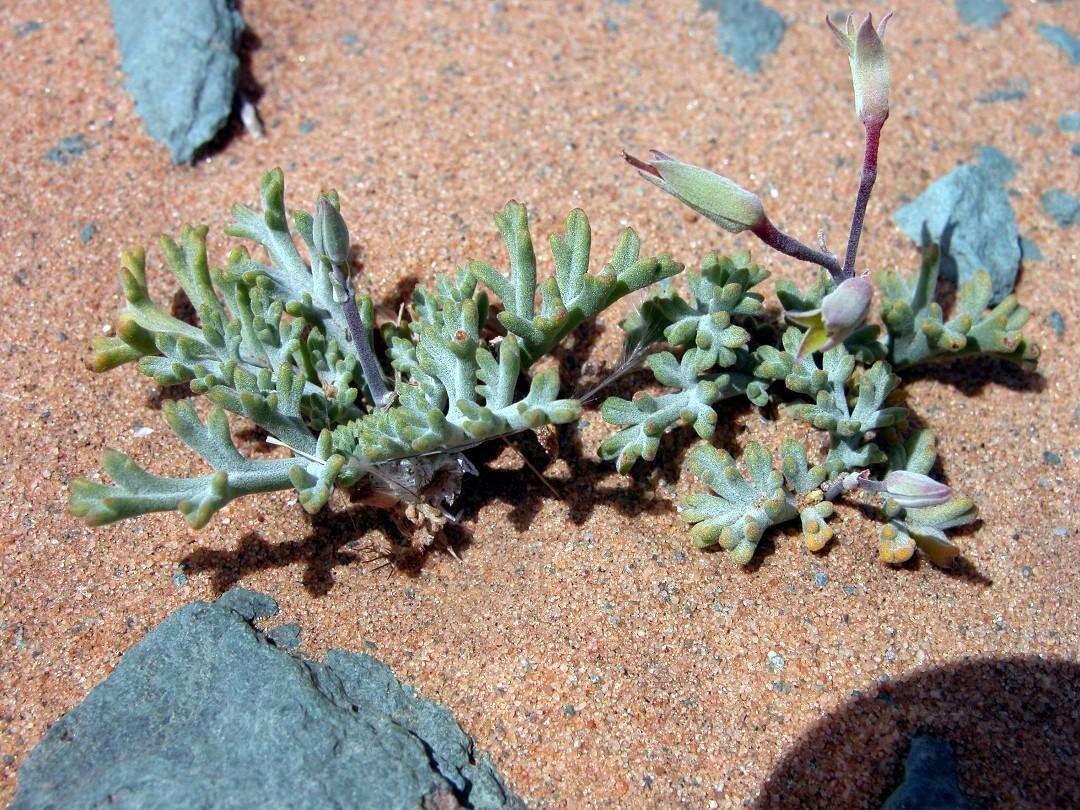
{"points": [[866, 186]]}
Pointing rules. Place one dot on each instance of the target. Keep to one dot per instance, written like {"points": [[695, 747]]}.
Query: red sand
{"points": [[435, 116]]}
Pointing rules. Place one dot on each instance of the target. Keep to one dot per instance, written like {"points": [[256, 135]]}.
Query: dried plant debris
{"points": [[390, 411]]}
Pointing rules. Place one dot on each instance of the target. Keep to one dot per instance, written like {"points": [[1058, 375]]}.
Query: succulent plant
{"points": [[838, 373], [917, 331], [743, 507], [391, 410], [288, 345], [714, 364], [916, 510]]}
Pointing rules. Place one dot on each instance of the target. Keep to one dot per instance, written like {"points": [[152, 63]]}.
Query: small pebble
{"points": [[28, 27], [86, 233], [1070, 121], [1061, 206], [774, 661], [1051, 458], [67, 150], [821, 579], [1057, 322]]}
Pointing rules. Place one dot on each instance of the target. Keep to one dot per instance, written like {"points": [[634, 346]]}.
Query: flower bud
{"points": [[841, 312], [726, 203], [915, 491], [869, 67], [329, 232]]}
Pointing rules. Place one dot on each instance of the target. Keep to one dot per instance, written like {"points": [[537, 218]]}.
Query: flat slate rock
{"points": [[1060, 38], [968, 213], [206, 712], [930, 779], [747, 32], [181, 64], [981, 13]]}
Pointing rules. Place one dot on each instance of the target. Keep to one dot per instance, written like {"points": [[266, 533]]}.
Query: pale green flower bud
{"points": [[841, 312], [726, 203], [329, 232], [869, 66]]}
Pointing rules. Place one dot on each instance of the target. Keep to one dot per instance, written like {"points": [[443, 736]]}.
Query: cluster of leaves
{"points": [[714, 364], [273, 346], [850, 393]]}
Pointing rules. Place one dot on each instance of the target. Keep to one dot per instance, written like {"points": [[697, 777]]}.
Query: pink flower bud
{"points": [[869, 67], [841, 312], [726, 203], [915, 491]]}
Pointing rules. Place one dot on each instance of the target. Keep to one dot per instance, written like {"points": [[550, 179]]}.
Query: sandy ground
{"points": [[582, 641]]}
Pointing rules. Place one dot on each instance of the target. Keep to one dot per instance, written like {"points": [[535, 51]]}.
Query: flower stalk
{"points": [[331, 238]]}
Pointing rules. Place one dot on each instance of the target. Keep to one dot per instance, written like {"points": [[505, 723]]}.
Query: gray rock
{"points": [[997, 164], [930, 779], [181, 66], [1070, 121], [249, 604], [968, 213], [206, 712], [285, 636], [1014, 90], [26, 28], [981, 13], [67, 150], [1057, 322], [1062, 39], [1062, 207], [747, 32], [1029, 251]]}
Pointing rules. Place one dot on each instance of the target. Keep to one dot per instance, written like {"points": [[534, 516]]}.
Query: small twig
{"points": [[866, 186], [535, 471], [301, 453], [249, 117]]}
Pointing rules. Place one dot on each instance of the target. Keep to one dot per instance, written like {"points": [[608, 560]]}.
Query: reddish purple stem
{"points": [[790, 246], [866, 185]]}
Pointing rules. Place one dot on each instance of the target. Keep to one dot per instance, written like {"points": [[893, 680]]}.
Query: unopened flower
{"points": [[909, 489], [841, 312], [727, 204], [329, 232], [869, 66]]}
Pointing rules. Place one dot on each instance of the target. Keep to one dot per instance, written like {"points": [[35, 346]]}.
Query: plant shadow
{"points": [[333, 542], [971, 375], [1012, 723], [248, 88]]}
